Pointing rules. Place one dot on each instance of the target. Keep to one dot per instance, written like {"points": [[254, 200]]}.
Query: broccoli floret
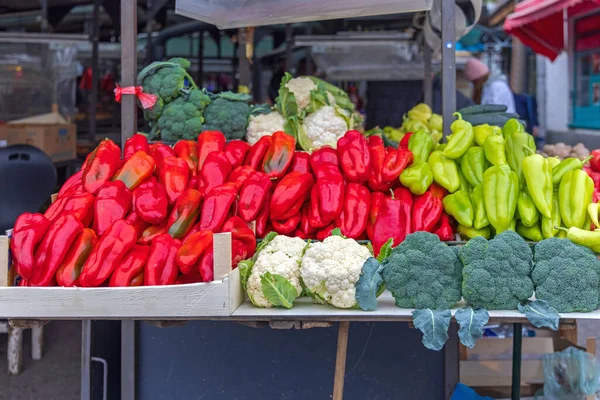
{"points": [[166, 79], [153, 114], [182, 118], [228, 114], [496, 272], [423, 272], [566, 275]]}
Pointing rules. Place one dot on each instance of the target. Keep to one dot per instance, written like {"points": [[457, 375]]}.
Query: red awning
{"points": [[539, 24]]}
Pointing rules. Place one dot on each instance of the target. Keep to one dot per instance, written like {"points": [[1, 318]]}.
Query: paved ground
{"points": [[56, 376]]}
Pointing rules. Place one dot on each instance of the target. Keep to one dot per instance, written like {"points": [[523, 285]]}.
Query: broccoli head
{"points": [[228, 113], [182, 118], [166, 79], [496, 272], [423, 272], [566, 275]]}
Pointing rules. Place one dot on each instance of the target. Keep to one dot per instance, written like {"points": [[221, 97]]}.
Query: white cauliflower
{"points": [[322, 128], [301, 88], [282, 257], [263, 125], [331, 269]]}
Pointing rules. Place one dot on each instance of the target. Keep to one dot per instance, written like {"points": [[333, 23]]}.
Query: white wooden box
{"points": [[192, 301]]}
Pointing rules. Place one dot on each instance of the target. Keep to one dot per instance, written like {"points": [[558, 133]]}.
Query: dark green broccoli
{"points": [[423, 272], [228, 113], [182, 118], [496, 272], [166, 79], [566, 275]]}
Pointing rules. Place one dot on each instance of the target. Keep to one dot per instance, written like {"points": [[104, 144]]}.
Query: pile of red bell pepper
{"points": [[144, 217], [593, 170], [147, 216]]}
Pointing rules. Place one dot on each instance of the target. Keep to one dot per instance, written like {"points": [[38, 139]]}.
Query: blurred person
{"points": [[489, 88], [278, 73]]}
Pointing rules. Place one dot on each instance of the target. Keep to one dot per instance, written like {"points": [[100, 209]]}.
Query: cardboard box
{"points": [[49, 132]]}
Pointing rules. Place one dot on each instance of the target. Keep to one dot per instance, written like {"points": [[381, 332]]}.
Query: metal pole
{"points": [[149, 24], [515, 393], [448, 64], [128, 359], [427, 78], [243, 63], [86, 358], [288, 47], [93, 95], [128, 69], [44, 22], [451, 361]]}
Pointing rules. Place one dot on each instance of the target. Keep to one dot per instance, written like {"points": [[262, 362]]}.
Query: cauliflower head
{"points": [[322, 128], [301, 88], [264, 125], [282, 257], [331, 269]]}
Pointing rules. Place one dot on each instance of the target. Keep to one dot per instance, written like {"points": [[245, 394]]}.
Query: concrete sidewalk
{"points": [[56, 376]]}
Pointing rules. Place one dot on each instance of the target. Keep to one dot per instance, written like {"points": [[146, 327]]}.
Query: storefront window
{"points": [[586, 101]]}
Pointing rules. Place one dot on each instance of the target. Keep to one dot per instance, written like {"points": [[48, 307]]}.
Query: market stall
{"points": [[179, 238]]}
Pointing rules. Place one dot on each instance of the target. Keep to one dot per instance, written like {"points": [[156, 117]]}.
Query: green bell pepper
{"points": [[472, 165], [459, 206], [538, 177], [516, 140], [494, 148], [533, 233], [470, 233], [481, 132], [574, 194], [435, 123], [480, 219], [528, 213], [500, 193], [549, 224], [417, 178], [566, 165], [420, 144], [445, 171], [462, 138]]}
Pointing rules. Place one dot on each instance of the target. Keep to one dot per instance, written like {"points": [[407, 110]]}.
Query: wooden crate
{"points": [[215, 299]]}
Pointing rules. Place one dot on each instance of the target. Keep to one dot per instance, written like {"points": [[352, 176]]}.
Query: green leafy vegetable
{"points": [[259, 109], [263, 243], [368, 285], [471, 322], [245, 268], [337, 232], [286, 100], [245, 97], [385, 251], [434, 325], [540, 314], [278, 290]]}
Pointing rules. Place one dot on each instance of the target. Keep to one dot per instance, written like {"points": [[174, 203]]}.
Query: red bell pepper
{"points": [[209, 141], [53, 249], [330, 190], [216, 206], [150, 233], [354, 156], [174, 174], [428, 209], [137, 142], [388, 224], [215, 171], [301, 162], [238, 253], [78, 203], [191, 251], [262, 219], [102, 165], [377, 199], [444, 229], [279, 155], [376, 182], [160, 151], [136, 169], [239, 175], [150, 201], [137, 222], [289, 195], [187, 279], [184, 213], [194, 182], [112, 203], [595, 161], [236, 151], [187, 150], [130, 272], [325, 154], [315, 220], [374, 140], [242, 233], [74, 182], [112, 246], [161, 268], [305, 226], [406, 208], [353, 219], [404, 141], [325, 232], [206, 266], [28, 232], [253, 196], [394, 163], [287, 226], [257, 153], [68, 273]]}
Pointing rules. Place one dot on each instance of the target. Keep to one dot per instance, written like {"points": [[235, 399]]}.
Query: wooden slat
{"points": [[3, 261]]}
